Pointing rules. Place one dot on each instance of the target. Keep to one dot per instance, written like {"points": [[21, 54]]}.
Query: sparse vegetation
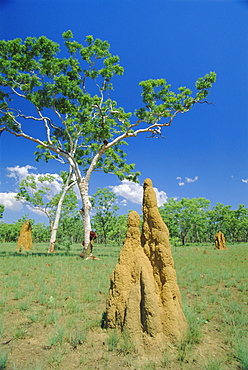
{"points": [[54, 316], [3, 361]]}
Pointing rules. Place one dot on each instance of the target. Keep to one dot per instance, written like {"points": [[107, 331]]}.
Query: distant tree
{"points": [[118, 230], [192, 220], [71, 229], [220, 218], [105, 217], [11, 232], [40, 232], [241, 217], [170, 213], [233, 223], [1, 210], [6, 232], [38, 194], [186, 218], [70, 101]]}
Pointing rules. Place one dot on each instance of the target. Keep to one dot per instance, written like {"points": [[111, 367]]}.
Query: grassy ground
{"points": [[51, 308]]}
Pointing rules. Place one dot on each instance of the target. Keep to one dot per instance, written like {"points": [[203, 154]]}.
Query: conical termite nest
{"points": [[144, 298], [25, 238]]}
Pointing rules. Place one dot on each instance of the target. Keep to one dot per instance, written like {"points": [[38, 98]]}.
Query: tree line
{"points": [[188, 221], [193, 221]]}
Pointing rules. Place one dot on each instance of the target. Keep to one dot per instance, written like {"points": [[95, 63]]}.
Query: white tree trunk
{"points": [[83, 185], [52, 240], [85, 213], [55, 225]]}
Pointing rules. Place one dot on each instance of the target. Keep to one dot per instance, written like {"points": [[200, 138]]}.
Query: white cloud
{"points": [[161, 196], [9, 202], [13, 205], [245, 180], [55, 185], [133, 192], [20, 173], [129, 190], [180, 182], [34, 210], [123, 203], [186, 180], [189, 180]]}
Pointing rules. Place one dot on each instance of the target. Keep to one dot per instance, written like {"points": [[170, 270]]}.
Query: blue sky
{"points": [[205, 153]]}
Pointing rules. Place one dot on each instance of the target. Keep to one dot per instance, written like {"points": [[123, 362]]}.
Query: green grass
{"points": [[3, 360], [51, 307]]}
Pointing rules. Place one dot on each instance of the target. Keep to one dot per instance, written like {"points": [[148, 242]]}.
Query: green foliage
{"points": [[104, 220], [233, 223], [39, 195], [160, 102], [191, 220], [40, 232], [10, 232], [118, 230], [84, 125], [33, 70], [1, 210], [71, 229], [68, 96], [186, 217]]}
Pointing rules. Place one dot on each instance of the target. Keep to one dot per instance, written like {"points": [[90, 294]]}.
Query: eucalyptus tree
{"points": [[241, 215], [64, 203], [220, 218], [105, 207], [38, 193], [119, 229], [71, 116], [233, 223], [40, 232], [71, 229], [186, 218], [11, 232]]}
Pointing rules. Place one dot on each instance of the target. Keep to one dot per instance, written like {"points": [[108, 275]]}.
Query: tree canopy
{"points": [[71, 116]]}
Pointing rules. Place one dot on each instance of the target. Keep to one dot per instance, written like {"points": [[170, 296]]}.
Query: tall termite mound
{"points": [[144, 298], [25, 238], [220, 241]]}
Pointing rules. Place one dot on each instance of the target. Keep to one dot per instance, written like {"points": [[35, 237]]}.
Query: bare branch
{"points": [[18, 94], [45, 120], [59, 152], [31, 117], [58, 114]]}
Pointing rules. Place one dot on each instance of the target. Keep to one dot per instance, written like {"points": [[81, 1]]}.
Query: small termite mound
{"points": [[220, 241], [25, 238], [144, 298]]}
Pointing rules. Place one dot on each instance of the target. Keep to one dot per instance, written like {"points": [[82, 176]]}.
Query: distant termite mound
{"points": [[220, 241], [25, 238], [144, 298]]}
